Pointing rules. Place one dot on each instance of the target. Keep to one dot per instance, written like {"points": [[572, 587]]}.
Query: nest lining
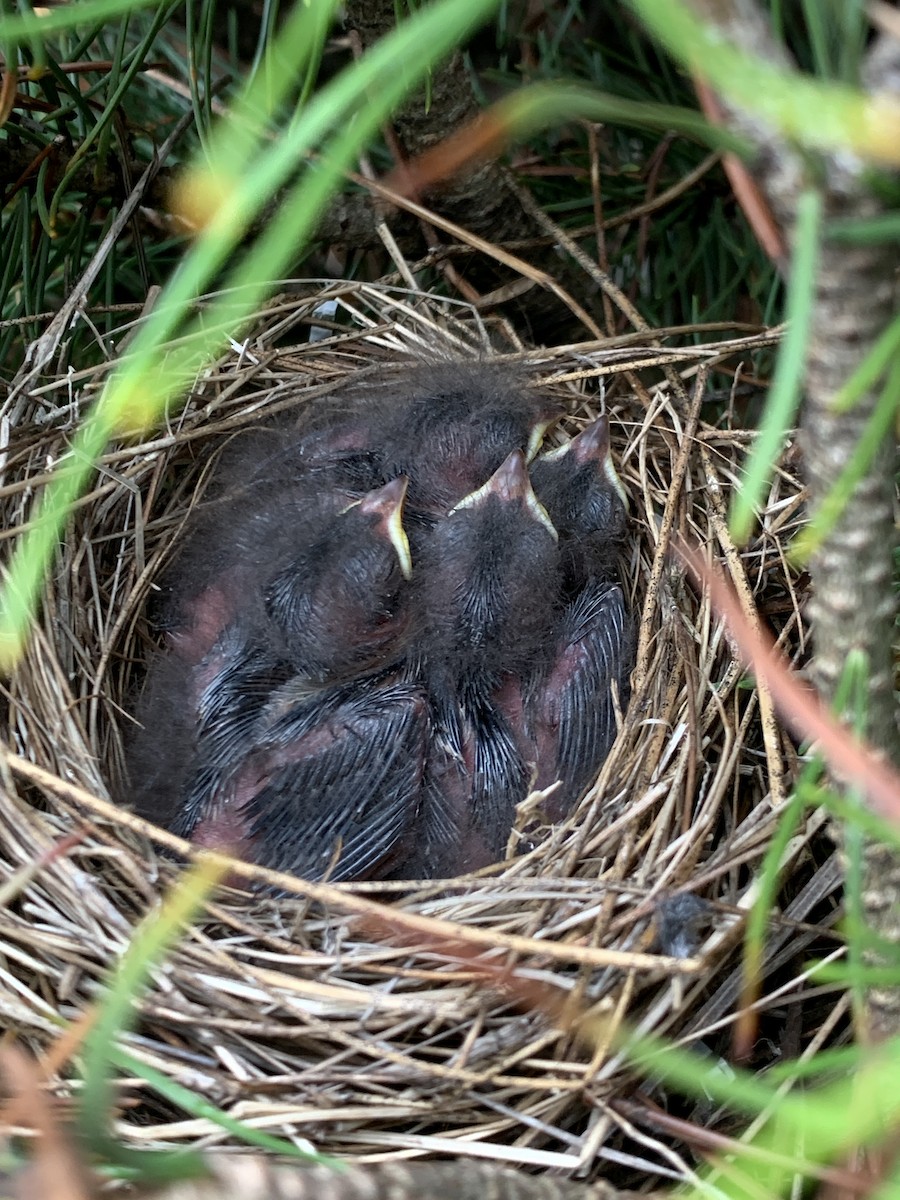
{"points": [[296, 1018]]}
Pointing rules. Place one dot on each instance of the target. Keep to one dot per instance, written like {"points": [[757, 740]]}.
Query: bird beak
{"points": [[387, 503], [510, 485], [536, 437], [592, 445]]}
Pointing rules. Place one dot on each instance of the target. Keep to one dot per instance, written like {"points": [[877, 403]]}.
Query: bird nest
{"points": [[370, 1023]]}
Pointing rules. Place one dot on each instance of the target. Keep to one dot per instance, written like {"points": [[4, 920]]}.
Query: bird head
{"points": [[455, 425], [579, 486], [488, 575], [339, 605]]}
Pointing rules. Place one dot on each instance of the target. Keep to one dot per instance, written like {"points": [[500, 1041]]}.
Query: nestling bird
{"points": [[329, 581], [570, 711], [198, 703], [226, 697], [321, 619], [447, 427], [486, 581], [578, 486], [239, 541], [454, 425], [332, 702], [339, 602]]}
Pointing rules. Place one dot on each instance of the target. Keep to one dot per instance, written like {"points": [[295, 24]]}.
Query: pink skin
{"points": [[509, 700], [206, 616], [225, 832]]}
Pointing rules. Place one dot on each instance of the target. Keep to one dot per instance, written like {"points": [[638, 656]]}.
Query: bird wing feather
{"points": [[230, 689], [349, 784], [575, 708]]}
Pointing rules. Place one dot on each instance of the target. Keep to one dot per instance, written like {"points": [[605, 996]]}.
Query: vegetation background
{"points": [[153, 153]]}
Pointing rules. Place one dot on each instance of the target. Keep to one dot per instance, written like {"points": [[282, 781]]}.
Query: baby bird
{"points": [[199, 700], [339, 603], [482, 611], [447, 426], [300, 778], [323, 709], [578, 486], [238, 542], [316, 621], [486, 583], [331, 784], [570, 714]]}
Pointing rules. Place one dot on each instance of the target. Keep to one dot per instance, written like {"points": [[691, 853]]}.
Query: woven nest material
{"points": [[296, 1017]]}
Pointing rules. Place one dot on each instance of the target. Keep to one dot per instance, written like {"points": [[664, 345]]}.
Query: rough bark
{"points": [[853, 606], [853, 602], [254, 1178]]}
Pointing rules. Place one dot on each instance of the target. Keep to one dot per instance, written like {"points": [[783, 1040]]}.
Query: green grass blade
{"points": [[543, 104], [865, 231], [876, 363], [29, 26], [784, 397], [856, 1111], [148, 380], [110, 109], [148, 945], [818, 114], [201, 1109]]}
